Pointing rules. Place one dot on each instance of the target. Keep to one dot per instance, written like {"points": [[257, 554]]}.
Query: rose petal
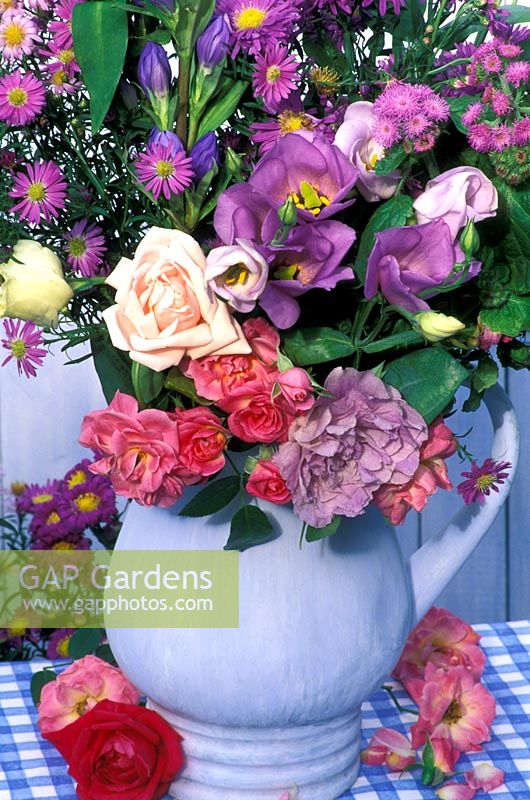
{"points": [[485, 776]]}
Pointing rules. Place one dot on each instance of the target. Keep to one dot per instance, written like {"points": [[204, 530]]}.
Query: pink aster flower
{"points": [[164, 171], [521, 132], [18, 35], [23, 342], [472, 114], [22, 97], [257, 24], [480, 481], [42, 189], [61, 28], [389, 747], [501, 103], [60, 79], [518, 73], [485, 776], [479, 137], [416, 125], [85, 245], [274, 76], [490, 61], [386, 132]]}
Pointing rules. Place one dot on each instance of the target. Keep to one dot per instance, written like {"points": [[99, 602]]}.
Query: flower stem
{"points": [[184, 96], [403, 709]]}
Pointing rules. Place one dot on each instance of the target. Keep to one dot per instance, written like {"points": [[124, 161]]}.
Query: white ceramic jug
{"points": [[277, 701]]}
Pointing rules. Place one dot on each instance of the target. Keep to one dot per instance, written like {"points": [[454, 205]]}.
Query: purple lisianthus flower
{"points": [[414, 259], [165, 139], [361, 437], [212, 44], [243, 212], [237, 273], [204, 155], [310, 170], [310, 258]]}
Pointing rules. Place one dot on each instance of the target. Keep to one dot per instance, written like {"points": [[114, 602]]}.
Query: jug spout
{"points": [[438, 560]]}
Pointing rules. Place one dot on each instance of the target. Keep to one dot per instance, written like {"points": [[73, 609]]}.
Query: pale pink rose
{"points": [[445, 755], [396, 501], [389, 747], [263, 339], [354, 139], [441, 639], [455, 791], [456, 196], [76, 690], [228, 378], [485, 776], [297, 389], [454, 706], [202, 441], [237, 273], [266, 482], [164, 309]]}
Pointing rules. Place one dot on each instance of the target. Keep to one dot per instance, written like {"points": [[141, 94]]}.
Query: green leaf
{"points": [[192, 19], [395, 212], [223, 106], [39, 681], [101, 35], [459, 106], [485, 375], [112, 366], [411, 24], [511, 319], [396, 340], [84, 642], [250, 527], [517, 15], [150, 383], [314, 534], [213, 497], [427, 379], [178, 382], [391, 161], [105, 653], [316, 346], [516, 245], [427, 775]]}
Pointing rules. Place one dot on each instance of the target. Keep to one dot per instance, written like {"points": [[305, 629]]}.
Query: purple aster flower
{"points": [[310, 258], [37, 497], [79, 475], [58, 643], [23, 342], [359, 438], [274, 76], [42, 192], [93, 503], [266, 134], [162, 171], [481, 481], [212, 44], [57, 536], [397, 5], [205, 155], [455, 76], [85, 248], [257, 24], [401, 264], [22, 97]]}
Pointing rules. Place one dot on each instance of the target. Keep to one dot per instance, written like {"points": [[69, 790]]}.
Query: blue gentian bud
{"points": [[204, 155], [128, 94], [212, 44], [154, 71], [166, 139]]}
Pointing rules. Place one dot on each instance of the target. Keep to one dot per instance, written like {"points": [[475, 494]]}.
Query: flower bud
{"points": [[204, 155], [166, 139], [212, 44], [435, 326], [234, 162], [469, 240], [288, 213], [154, 71], [128, 94]]}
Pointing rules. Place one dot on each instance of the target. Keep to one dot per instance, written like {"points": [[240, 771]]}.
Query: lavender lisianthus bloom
{"points": [[414, 259], [204, 154], [212, 44], [362, 436], [306, 167], [243, 212], [237, 273], [355, 139], [310, 258]]}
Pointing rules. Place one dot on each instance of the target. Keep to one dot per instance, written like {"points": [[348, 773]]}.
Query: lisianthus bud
{"points": [[128, 94], [234, 162], [212, 44], [33, 284], [469, 240], [287, 213], [435, 326], [204, 155], [154, 71], [166, 139]]}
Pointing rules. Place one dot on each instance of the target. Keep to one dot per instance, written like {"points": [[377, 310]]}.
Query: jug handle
{"points": [[433, 566]]}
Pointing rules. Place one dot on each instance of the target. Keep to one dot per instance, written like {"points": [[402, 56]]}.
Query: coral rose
{"points": [[164, 309], [202, 441], [267, 483], [119, 750], [259, 418], [76, 690]]}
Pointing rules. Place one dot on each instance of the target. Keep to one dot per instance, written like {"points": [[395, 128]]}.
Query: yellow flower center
{"points": [[77, 478], [37, 192], [59, 77], [53, 518], [291, 121], [62, 647], [454, 713], [77, 246], [238, 274], [485, 481], [273, 73], [308, 198], [18, 488], [81, 707], [66, 56], [164, 169], [18, 348], [249, 17], [17, 97], [13, 34], [42, 498], [88, 501], [372, 161], [6, 4], [325, 79], [286, 273], [63, 546]]}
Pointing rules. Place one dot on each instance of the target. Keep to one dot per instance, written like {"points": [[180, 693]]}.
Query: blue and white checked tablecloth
{"points": [[31, 768]]}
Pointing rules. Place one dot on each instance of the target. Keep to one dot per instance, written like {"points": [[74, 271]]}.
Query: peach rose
{"points": [[164, 309]]}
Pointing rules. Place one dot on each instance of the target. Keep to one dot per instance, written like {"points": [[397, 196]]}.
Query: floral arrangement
{"points": [[296, 226], [90, 712], [66, 514]]}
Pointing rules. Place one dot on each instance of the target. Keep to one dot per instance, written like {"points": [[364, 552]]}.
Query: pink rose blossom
{"points": [[456, 196], [396, 501], [267, 483], [202, 440], [79, 688], [454, 706], [259, 418], [296, 389], [485, 776], [226, 379], [263, 339], [445, 755], [389, 747], [455, 791]]}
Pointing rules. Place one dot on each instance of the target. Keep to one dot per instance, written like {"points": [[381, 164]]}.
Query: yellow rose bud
{"points": [[33, 284], [435, 326]]}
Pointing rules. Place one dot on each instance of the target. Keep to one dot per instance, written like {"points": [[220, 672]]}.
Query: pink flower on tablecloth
{"points": [[485, 776], [389, 747]]}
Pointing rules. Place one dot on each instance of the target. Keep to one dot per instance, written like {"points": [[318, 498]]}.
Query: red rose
{"points": [[260, 420], [120, 750], [266, 482], [202, 441]]}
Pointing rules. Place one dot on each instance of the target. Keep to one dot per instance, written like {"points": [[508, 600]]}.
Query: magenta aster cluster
{"points": [[410, 115], [85, 248], [22, 98], [162, 170], [259, 24], [482, 480], [40, 190], [24, 343]]}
